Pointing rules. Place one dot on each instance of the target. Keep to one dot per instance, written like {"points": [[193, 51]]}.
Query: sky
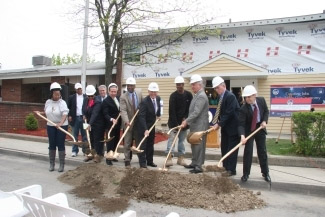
{"points": [[43, 27]]}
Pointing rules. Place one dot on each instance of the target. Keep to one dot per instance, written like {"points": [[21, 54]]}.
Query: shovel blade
{"points": [[135, 150], [108, 139]]}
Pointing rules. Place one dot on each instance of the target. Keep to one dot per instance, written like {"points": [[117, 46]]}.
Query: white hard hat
{"points": [[77, 86], [179, 79], [195, 78], [153, 86], [249, 90], [217, 81], [112, 84], [55, 85], [90, 90], [130, 80]]}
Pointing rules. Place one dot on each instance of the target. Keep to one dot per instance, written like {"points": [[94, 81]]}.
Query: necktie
{"points": [[216, 116], [254, 120], [154, 104], [133, 101], [117, 103]]}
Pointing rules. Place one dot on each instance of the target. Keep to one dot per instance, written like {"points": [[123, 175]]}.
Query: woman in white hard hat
{"points": [[87, 111], [148, 113], [253, 114], [56, 110]]}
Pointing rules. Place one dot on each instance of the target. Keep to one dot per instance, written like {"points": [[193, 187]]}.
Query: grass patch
{"points": [[283, 147]]}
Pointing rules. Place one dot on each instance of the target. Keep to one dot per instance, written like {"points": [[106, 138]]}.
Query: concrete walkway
{"points": [[294, 174]]}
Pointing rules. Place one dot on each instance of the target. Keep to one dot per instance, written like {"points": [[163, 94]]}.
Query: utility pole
{"points": [[84, 50]]}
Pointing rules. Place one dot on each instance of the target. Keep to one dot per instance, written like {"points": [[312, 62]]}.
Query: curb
{"points": [[252, 184], [275, 160]]}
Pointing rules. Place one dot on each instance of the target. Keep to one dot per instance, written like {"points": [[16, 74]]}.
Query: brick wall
{"points": [[13, 115], [11, 90]]}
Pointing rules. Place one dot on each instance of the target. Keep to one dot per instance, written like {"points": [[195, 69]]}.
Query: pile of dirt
{"points": [[114, 186]]}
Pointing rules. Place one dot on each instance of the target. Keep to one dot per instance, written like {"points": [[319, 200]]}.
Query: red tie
{"points": [[254, 120]]}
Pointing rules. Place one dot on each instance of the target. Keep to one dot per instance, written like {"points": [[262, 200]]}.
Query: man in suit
{"points": [[110, 110], [252, 115], [148, 113], [198, 120], [129, 104], [97, 125], [227, 119], [75, 103]]}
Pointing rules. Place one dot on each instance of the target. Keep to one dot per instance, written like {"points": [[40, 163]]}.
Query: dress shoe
{"points": [[109, 162], [244, 178], [143, 166], [152, 164], [196, 170], [115, 160], [189, 166], [267, 177]]}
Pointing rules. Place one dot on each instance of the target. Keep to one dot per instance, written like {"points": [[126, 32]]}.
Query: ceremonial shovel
{"points": [[172, 146], [109, 138], [220, 168], [113, 155], [137, 149], [63, 130]]}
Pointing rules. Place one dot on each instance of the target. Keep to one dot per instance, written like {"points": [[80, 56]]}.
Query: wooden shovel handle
{"points": [[126, 130], [88, 136], [60, 128], [110, 130], [144, 138], [237, 146], [172, 146]]}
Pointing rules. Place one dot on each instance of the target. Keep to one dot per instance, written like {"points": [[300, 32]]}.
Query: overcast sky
{"points": [[41, 27]]}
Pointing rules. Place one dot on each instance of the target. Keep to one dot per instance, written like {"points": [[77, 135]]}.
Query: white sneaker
{"points": [[74, 154]]}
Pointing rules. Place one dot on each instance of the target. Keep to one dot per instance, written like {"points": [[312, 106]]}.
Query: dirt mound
{"points": [[110, 185]]}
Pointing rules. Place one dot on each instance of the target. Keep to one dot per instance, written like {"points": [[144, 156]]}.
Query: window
{"points": [[132, 53]]}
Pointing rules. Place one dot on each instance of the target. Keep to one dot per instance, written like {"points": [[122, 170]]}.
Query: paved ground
{"points": [[304, 180], [17, 172]]}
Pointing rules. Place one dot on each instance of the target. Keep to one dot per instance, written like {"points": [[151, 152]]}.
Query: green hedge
{"points": [[310, 130]]}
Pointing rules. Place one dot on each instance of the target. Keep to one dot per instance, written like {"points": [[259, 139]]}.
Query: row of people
{"points": [[236, 124], [184, 109]]}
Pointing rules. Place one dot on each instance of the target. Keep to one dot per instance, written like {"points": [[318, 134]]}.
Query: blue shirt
{"points": [[135, 98]]}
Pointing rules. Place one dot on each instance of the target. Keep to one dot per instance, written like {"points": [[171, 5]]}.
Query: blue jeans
{"points": [[78, 126], [56, 138], [181, 138]]}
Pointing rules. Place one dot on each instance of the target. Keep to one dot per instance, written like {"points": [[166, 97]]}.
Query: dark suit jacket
{"points": [[110, 110], [246, 116], [147, 115], [228, 118], [94, 115], [72, 105]]}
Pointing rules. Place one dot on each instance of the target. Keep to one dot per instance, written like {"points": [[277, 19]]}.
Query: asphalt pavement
{"points": [[292, 174]]}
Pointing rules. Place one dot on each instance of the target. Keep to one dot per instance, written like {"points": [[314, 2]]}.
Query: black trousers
{"points": [[260, 138], [146, 157], [111, 145], [97, 131], [228, 142]]}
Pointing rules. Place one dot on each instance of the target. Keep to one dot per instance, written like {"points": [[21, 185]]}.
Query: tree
{"points": [[117, 17], [67, 60]]}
